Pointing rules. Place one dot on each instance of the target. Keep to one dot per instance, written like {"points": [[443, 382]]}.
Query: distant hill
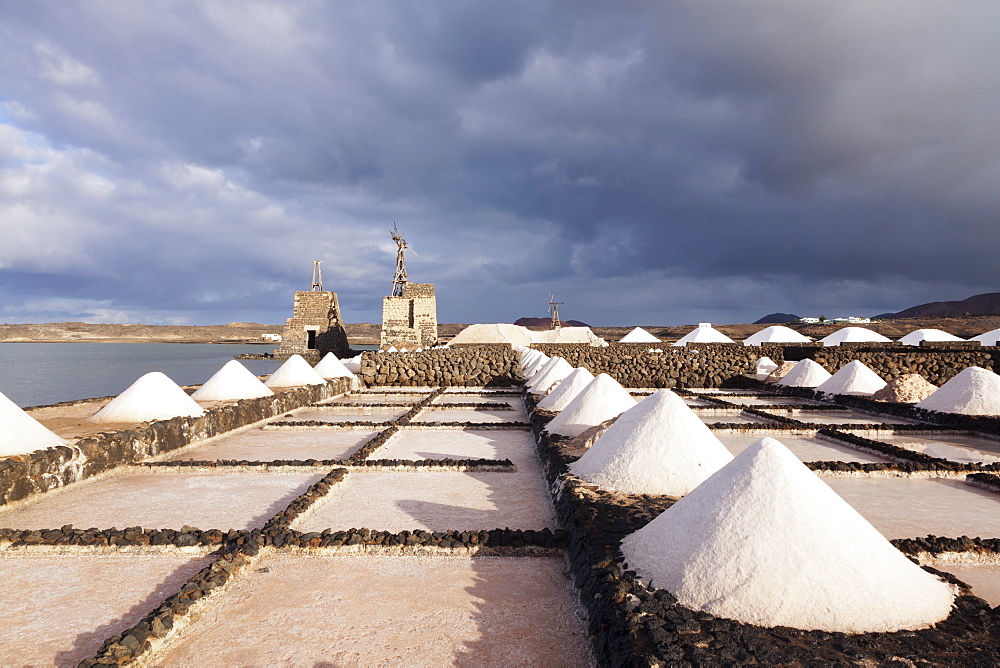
{"points": [[776, 318], [546, 322], [985, 304]]}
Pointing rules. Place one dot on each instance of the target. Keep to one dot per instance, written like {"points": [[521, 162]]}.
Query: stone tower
{"points": [[410, 320], [315, 327], [409, 313]]}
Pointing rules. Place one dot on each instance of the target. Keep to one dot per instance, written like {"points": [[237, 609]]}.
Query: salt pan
{"points": [[602, 399], [567, 390], [973, 391], [151, 397], [230, 383], [776, 334], [853, 378], [764, 541], [295, 372], [20, 433], [658, 447], [805, 373]]}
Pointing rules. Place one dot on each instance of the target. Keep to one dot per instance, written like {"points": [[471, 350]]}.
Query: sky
{"points": [[648, 163]]}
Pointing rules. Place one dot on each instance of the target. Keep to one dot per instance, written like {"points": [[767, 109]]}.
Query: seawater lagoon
{"points": [[34, 374]]}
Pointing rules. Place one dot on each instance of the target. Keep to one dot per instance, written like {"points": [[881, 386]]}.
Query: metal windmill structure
{"points": [[317, 282], [554, 310], [400, 279]]}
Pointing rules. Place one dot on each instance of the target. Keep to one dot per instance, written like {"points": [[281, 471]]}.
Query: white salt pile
{"points": [[151, 397], [567, 390], [555, 371], [20, 433], [853, 378], [529, 357], [853, 335], [657, 447], [535, 366], [295, 372], [331, 367], [765, 541], [805, 373], [230, 383], [703, 333], [775, 334], [638, 335], [568, 335], [972, 391], [765, 367], [906, 389], [391, 349], [514, 335], [353, 364], [915, 337], [990, 338], [602, 399]]}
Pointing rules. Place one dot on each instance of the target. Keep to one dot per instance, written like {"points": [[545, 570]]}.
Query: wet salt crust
{"points": [[764, 541]]}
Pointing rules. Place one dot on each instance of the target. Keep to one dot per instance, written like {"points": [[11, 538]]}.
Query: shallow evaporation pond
{"points": [[448, 400], [915, 507], [983, 578], [393, 389], [379, 610], [727, 416], [417, 444], [59, 609], [956, 447], [841, 417], [434, 501], [365, 399], [162, 500], [373, 414], [805, 445], [460, 415], [766, 400], [271, 444]]}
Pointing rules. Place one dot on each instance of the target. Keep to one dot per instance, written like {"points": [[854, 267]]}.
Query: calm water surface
{"points": [[33, 374]]}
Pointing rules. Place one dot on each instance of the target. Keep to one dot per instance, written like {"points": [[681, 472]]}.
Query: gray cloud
{"points": [[651, 163]]}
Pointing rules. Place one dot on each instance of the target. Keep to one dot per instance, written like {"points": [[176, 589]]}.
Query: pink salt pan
{"points": [[405, 611]]}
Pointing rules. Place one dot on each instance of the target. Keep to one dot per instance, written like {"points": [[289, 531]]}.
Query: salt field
{"points": [[808, 448]]}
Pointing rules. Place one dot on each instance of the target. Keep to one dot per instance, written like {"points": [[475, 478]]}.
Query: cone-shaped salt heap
{"points": [[764, 541], [535, 366], [972, 391], [915, 337], [537, 373], [764, 367], [638, 335], [233, 381], [853, 335], [554, 373], [805, 373], [567, 390], [151, 397], [20, 433], [909, 388], [990, 338], [295, 372], [528, 359], [331, 367], [601, 400], [853, 378], [657, 447], [703, 333], [776, 334], [353, 364]]}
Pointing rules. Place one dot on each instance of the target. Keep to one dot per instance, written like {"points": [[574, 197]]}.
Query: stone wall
{"points": [[43, 470], [475, 366], [410, 320], [935, 365], [317, 312]]}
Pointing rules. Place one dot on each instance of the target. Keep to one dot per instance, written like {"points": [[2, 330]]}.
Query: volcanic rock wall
{"points": [[476, 366], [935, 365]]}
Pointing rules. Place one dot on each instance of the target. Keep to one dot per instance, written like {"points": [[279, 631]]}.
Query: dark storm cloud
{"points": [[705, 159]]}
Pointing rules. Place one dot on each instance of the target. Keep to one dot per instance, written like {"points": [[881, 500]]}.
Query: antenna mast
{"points": [[554, 310], [400, 279], [317, 282]]}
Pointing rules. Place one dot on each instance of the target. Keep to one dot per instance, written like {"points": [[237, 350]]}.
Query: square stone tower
{"points": [[315, 327], [410, 320]]}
